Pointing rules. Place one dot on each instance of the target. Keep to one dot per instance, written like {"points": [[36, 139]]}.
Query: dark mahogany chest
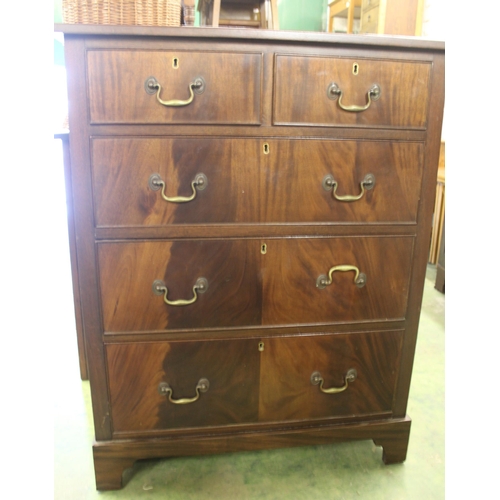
{"points": [[252, 212]]}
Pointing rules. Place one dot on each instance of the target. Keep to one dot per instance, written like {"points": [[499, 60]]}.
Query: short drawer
{"points": [[149, 286], [319, 376], [130, 272], [332, 280], [128, 174], [127, 86], [242, 184], [335, 91], [211, 383]]}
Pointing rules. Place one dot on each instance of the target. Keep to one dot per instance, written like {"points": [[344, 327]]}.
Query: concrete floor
{"points": [[343, 471]]}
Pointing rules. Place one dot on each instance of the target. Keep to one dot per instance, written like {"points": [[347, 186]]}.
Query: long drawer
{"points": [[395, 94], [167, 385], [156, 181], [189, 87], [149, 286]]}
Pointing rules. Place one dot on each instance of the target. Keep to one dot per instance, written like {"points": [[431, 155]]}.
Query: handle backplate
{"points": [[317, 379], [330, 184], [333, 92], [165, 390], [359, 278], [197, 86], [159, 288], [199, 183]]}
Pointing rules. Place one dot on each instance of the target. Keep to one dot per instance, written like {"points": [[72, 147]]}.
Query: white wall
{"points": [[434, 19]]}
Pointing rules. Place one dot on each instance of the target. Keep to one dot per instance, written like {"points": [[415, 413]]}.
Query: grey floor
{"points": [[343, 471]]}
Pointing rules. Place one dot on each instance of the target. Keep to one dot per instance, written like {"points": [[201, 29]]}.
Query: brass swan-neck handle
{"points": [[159, 288], [333, 92], [330, 184], [359, 278], [349, 377], [199, 183], [153, 86], [165, 390]]}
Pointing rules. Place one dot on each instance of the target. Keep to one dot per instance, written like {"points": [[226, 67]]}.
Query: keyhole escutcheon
{"points": [[175, 63], [266, 148], [263, 249], [355, 68]]}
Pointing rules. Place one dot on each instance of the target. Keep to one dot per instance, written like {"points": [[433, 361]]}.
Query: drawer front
{"points": [[291, 269], [287, 364], [295, 188], [244, 185], [118, 92], [129, 270], [158, 386], [124, 196], [402, 102], [138, 403], [246, 287]]}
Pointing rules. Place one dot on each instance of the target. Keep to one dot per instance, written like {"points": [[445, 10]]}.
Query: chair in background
{"points": [[240, 13], [349, 9]]}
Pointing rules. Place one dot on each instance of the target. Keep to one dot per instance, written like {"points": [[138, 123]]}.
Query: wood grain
{"points": [[287, 363], [247, 186], [135, 370], [111, 457], [117, 95], [248, 385], [291, 267], [122, 168], [403, 102], [128, 271], [291, 181], [248, 288], [261, 86]]}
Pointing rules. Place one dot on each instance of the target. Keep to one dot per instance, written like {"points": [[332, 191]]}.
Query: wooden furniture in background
{"points": [[440, 273], [188, 12], [252, 225], [439, 208], [392, 17], [349, 9], [82, 357], [240, 13]]}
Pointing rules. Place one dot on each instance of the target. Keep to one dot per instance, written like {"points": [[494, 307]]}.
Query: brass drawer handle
{"points": [[350, 376], [202, 386], [199, 183], [324, 281], [198, 85], [329, 183], [333, 92], [200, 286]]}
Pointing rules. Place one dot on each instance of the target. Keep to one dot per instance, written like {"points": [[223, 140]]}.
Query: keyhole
{"points": [[263, 249], [355, 68], [261, 346], [175, 63], [266, 148]]}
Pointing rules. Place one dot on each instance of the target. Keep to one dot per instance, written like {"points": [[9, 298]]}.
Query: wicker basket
{"points": [[122, 12]]}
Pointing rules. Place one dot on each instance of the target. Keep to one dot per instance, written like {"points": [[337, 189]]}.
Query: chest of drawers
{"points": [[253, 212]]}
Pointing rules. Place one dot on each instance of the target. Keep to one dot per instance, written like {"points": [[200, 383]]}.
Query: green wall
{"points": [[302, 15], [58, 11]]}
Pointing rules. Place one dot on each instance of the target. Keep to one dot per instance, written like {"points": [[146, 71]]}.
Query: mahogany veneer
{"points": [[303, 328]]}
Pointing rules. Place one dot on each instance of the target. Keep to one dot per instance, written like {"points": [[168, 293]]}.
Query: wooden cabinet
{"points": [[392, 17], [252, 229]]}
